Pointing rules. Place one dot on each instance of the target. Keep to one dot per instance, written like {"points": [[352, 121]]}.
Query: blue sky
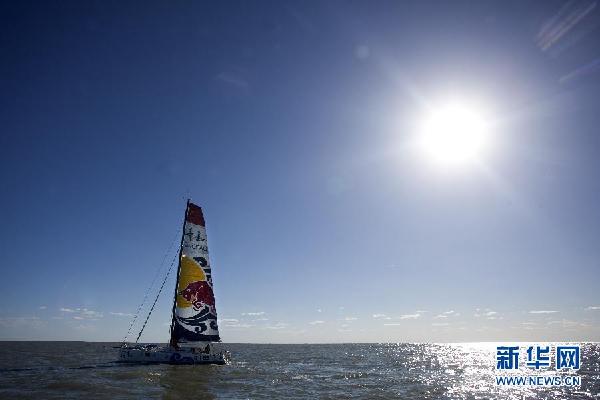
{"points": [[290, 124]]}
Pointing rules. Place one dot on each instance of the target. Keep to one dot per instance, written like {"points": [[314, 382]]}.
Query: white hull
{"points": [[169, 355]]}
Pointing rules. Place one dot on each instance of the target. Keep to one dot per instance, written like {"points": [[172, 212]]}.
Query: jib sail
{"points": [[194, 313]]}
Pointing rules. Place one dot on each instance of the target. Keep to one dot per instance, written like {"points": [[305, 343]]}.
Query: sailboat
{"points": [[194, 330]]}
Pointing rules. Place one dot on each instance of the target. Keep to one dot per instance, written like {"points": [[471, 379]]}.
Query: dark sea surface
{"points": [[73, 370]]}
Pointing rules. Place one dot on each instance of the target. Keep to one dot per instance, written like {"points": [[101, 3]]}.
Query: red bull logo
{"points": [[198, 293]]}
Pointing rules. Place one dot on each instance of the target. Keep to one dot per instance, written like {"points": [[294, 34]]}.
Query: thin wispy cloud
{"points": [[529, 325], [277, 326], [120, 314], [254, 314], [42, 307], [446, 314], [234, 323], [381, 316], [565, 323], [89, 313], [543, 312], [591, 308], [350, 319], [410, 316], [238, 325], [318, 322], [489, 314], [233, 78], [83, 313]]}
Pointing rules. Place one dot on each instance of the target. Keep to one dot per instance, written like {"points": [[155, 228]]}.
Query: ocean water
{"points": [[73, 370]]}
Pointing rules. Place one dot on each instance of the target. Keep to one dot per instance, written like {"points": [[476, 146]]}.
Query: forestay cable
{"points": [[157, 296], [156, 275]]}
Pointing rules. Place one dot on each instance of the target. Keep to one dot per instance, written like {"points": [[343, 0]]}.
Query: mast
{"points": [[172, 340]]}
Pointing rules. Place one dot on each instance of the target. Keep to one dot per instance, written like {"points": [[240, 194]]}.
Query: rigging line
{"points": [[156, 275], [157, 296]]}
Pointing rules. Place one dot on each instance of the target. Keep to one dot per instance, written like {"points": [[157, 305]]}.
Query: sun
{"points": [[454, 134]]}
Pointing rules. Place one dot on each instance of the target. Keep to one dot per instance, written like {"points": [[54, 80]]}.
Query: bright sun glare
{"points": [[455, 134]]}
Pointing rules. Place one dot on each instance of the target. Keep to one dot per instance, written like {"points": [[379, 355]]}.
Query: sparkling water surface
{"points": [[72, 370]]}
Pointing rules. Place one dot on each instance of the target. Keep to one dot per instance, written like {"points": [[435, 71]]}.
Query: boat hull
{"points": [[167, 355]]}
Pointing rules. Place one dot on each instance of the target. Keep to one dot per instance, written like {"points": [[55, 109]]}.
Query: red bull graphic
{"points": [[198, 293]]}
